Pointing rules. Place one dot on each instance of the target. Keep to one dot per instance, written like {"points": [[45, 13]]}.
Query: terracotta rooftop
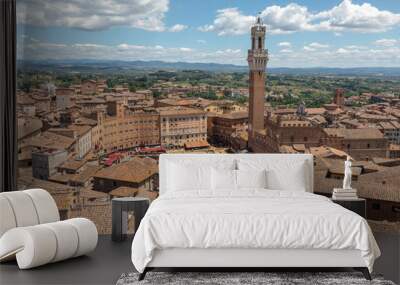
{"points": [[287, 149], [89, 194], [52, 141], [365, 133], [176, 111], [72, 164], [86, 174], [336, 166], [234, 115], [124, 191], [152, 195], [133, 192], [179, 102], [80, 129], [318, 119], [61, 178], [27, 126], [196, 144], [85, 121], [315, 111], [25, 100], [284, 111], [381, 185], [136, 170], [324, 151]]}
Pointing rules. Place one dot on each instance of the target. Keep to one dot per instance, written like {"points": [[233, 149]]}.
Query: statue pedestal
{"points": [[344, 194], [343, 190]]}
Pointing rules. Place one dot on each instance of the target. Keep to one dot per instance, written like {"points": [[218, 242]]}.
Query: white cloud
{"points": [[284, 44], [318, 45], [286, 50], [185, 49], [386, 42], [94, 14], [177, 28], [308, 48], [346, 56], [124, 51], [360, 18], [229, 21], [228, 51], [342, 51], [293, 17], [315, 46], [129, 47], [287, 19]]}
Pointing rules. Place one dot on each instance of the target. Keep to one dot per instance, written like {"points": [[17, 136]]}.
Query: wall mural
{"points": [[100, 97]]}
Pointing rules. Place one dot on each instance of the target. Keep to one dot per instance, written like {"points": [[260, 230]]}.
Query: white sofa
{"points": [[31, 230]]}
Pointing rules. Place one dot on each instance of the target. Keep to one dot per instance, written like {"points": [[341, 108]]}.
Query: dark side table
{"points": [[357, 205], [120, 209]]}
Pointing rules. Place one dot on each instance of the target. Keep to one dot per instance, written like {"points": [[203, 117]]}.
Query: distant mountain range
{"points": [[111, 66]]}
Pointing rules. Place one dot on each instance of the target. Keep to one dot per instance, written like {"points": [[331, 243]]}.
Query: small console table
{"points": [[120, 209]]}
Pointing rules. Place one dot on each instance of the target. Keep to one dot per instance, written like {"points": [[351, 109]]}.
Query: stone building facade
{"points": [[89, 87], [222, 127], [180, 126], [64, 98], [128, 129], [361, 144]]}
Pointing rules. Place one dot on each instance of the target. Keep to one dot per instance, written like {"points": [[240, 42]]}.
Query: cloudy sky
{"points": [[300, 33]]}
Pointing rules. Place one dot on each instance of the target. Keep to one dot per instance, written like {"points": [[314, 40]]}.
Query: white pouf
{"points": [[31, 232]]}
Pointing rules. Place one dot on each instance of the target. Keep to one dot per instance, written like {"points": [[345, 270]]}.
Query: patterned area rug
{"points": [[240, 278]]}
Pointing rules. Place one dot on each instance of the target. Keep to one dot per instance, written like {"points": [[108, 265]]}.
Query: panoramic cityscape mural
{"points": [[104, 87]]}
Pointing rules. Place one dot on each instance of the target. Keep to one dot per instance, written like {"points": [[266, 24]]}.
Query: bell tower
{"points": [[257, 58]]}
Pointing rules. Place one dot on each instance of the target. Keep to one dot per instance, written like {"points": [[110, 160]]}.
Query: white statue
{"points": [[347, 174]]}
